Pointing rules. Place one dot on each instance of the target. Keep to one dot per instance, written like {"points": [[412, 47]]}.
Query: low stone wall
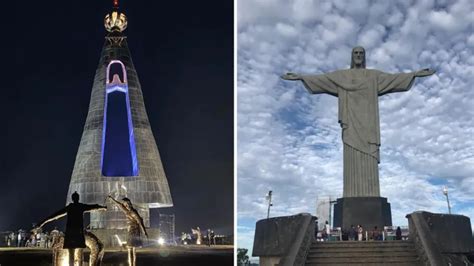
{"points": [[441, 239], [284, 241]]}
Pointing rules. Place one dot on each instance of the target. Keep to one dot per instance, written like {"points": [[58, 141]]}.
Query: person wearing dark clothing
{"points": [[316, 229], [398, 234], [74, 239], [376, 234], [352, 233], [213, 238], [208, 237]]}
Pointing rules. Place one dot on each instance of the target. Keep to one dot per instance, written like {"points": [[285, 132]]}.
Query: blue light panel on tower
{"points": [[118, 143]]}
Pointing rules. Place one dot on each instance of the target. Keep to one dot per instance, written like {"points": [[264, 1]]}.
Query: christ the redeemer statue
{"points": [[358, 90]]}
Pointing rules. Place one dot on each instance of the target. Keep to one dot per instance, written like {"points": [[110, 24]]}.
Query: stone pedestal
{"points": [[366, 211]]}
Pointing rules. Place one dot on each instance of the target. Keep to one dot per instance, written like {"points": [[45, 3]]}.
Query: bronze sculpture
{"points": [[92, 242], [135, 226], [74, 239]]}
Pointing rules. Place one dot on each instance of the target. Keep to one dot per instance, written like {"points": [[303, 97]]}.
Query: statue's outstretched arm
{"points": [[96, 207], [142, 226], [291, 76], [120, 204], [424, 72], [54, 216]]}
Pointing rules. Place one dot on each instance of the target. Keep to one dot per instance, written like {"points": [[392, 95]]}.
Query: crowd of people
{"points": [[39, 239], [197, 238], [356, 233]]}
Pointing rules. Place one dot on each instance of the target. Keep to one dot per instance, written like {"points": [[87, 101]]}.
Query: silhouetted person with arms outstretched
{"points": [[135, 227], [74, 239]]}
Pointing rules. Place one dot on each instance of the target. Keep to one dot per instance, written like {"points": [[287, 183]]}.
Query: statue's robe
{"points": [[357, 91]]}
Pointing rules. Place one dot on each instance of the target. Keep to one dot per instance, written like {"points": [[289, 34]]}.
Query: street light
{"points": [[268, 197], [445, 192]]}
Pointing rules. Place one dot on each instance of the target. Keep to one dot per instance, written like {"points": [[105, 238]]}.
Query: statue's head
{"points": [[358, 57], [128, 202], [75, 197]]}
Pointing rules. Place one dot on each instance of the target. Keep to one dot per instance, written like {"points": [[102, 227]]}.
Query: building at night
{"points": [[118, 154]]}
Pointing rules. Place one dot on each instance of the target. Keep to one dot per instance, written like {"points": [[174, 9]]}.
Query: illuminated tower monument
{"points": [[118, 154]]}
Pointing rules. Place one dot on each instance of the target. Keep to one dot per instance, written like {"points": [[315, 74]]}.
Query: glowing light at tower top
{"points": [[115, 21]]}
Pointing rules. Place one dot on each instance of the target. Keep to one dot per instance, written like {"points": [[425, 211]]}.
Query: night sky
{"points": [[183, 54]]}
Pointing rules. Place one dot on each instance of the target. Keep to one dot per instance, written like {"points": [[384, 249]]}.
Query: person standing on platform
{"points": [[19, 239], [7, 240], [213, 238], [376, 234], [327, 230], [208, 237], [352, 233], [360, 231], [398, 234], [316, 228]]}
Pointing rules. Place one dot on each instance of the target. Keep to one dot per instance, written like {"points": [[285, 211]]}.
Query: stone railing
{"points": [[305, 244], [441, 239], [284, 241], [423, 244]]}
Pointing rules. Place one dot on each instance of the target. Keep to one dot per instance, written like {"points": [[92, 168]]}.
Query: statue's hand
{"points": [[291, 76], [425, 72]]}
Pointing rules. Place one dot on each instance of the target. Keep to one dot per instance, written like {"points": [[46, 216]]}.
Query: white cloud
{"points": [[289, 141]]}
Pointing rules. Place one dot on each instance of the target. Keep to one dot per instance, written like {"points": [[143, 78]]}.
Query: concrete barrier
{"points": [[284, 241], [442, 239]]}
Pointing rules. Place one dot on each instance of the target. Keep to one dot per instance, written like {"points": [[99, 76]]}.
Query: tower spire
{"points": [[117, 154], [115, 21]]}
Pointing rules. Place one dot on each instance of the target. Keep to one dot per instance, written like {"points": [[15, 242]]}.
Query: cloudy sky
{"points": [[289, 141]]}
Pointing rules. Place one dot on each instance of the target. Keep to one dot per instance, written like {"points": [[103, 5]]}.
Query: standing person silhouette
{"points": [[74, 239], [135, 227]]}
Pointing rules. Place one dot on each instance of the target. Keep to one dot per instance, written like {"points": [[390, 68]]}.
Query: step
{"points": [[326, 248], [363, 253], [366, 264], [340, 244], [361, 249], [349, 260], [352, 254]]}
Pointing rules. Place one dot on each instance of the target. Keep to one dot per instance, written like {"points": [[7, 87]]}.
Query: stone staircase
{"points": [[393, 253]]}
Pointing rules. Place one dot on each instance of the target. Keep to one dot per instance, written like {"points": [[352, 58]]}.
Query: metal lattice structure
{"points": [[322, 210], [167, 229], [148, 188]]}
